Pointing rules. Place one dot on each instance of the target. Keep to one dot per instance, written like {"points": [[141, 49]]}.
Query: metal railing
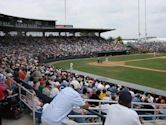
{"points": [[96, 112], [137, 106], [23, 93]]}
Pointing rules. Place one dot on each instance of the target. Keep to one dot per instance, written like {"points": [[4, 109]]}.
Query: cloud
{"points": [[119, 14]]}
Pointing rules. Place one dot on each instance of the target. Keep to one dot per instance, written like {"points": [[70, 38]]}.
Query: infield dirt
{"points": [[123, 64]]}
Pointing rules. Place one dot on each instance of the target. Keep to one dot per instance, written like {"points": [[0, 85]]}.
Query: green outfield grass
{"points": [[153, 63], [142, 77], [132, 57]]}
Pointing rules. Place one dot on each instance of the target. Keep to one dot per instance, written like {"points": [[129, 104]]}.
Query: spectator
{"points": [[120, 114], [46, 91], [150, 46], [22, 56], [95, 96], [85, 93], [102, 94], [108, 96], [57, 111], [162, 112], [54, 92]]}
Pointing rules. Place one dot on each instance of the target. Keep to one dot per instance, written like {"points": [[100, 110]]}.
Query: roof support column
{"points": [[43, 34], [99, 34]]}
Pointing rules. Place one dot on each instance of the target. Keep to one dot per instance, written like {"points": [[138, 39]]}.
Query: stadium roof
{"points": [[157, 40], [85, 29], [43, 28], [54, 29], [16, 17]]}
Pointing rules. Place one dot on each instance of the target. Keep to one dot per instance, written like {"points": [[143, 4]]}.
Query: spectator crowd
{"points": [[19, 59], [149, 46], [56, 47]]}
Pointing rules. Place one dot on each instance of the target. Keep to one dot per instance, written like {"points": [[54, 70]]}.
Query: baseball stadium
{"points": [[143, 69], [58, 74]]}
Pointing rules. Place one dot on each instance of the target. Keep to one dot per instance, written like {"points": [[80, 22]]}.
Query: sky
{"points": [[119, 14]]}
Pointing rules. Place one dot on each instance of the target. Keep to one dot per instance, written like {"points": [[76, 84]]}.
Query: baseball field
{"points": [[143, 69]]}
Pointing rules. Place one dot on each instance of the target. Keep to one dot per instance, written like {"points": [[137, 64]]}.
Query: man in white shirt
{"points": [[120, 114], [56, 112]]}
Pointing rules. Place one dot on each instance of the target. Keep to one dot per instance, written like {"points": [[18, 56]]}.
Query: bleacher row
{"points": [[150, 111], [148, 114], [43, 48], [149, 47], [19, 65]]}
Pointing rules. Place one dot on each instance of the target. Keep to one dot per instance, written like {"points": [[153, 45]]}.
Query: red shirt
{"points": [[22, 75], [1, 94]]}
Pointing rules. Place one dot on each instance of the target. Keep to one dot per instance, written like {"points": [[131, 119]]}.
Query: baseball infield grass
{"points": [[138, 76]]}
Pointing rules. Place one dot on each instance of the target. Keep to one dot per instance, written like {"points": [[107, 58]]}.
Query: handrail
{"points": [[32, 95], [106, 101], [136, 109], [98, 114]]}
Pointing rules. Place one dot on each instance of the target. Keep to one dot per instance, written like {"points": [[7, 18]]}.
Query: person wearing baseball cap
{"points": [[56, 112], [75, 85], [121, 114]]}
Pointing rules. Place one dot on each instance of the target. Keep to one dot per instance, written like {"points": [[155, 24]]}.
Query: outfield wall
{"points": [[96, 54]]}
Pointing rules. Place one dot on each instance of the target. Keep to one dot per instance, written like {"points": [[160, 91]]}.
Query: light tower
{"points": [[145, 20], [65, 11], [139, 34]]}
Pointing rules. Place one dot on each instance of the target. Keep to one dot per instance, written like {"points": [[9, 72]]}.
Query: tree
{"points": [[119, 40], [110, 39]]}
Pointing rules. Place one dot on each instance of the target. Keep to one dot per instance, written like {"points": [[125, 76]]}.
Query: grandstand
{"points": [[23, 72], [21, 27]]}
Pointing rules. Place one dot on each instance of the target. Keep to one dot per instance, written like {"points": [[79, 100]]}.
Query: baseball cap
{"points": [[76, 84], [125, 96]]}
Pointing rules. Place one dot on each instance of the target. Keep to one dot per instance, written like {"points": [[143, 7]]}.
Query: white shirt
{"points": [[56, 112], [120, 115], [54, 92], [100, 86], [150, 99], [107, 98], [107, 86]]}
